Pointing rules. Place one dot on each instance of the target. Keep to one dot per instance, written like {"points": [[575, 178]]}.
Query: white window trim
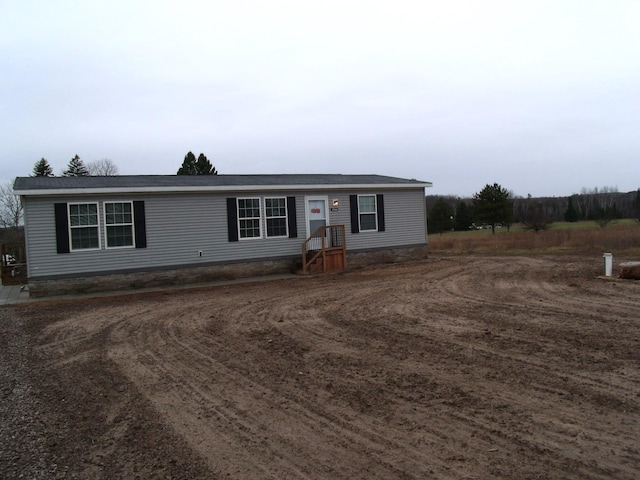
{"points": [[240, 237], [133, 226], [375, 202], [286, 217], [71, 228]]}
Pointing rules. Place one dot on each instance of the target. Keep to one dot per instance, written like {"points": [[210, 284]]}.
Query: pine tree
{"points": [[204, 167], [463, 217], [42, 169], [191, 166], [492, 205], [440, 217], [188, 165], [571, 215], [76, 168]]}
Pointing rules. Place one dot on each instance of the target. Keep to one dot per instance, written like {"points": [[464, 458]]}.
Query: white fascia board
{"points": [[224, 188]]}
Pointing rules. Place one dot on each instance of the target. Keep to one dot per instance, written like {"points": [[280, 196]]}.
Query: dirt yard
{"points": [[451, 368]]}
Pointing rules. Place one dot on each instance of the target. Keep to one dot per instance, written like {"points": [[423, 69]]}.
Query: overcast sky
{"points": [[540, 96]]}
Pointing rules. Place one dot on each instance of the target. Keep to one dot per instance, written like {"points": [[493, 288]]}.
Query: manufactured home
{"points": [[86, 234]]}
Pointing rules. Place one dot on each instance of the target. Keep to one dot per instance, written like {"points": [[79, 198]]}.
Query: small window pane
{"points": [[249, 207], [250, 228], [277, 227], [276, 207], [119, 236], [367, 204], [118, 213], [368, 221], [83, 214], [85, 237]]}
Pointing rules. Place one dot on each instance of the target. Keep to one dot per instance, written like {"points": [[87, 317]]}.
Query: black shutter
{"points": [[291, 217], [139, 221], [353, 203], [232, 219], [62, 227], [380, 205]]}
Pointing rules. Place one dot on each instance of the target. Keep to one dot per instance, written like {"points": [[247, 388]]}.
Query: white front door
{"points": [[316, 212]]}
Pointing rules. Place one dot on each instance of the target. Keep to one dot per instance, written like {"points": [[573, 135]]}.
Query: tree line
{"points": [[106, 167], [76, 167], [602, 205]]}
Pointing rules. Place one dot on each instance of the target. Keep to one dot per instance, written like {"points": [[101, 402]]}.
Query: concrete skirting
{"points": [[213, 273]]}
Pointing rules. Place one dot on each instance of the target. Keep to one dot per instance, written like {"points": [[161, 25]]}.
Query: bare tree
{"points": [[10, 210], [536, 216], [102, 168]]}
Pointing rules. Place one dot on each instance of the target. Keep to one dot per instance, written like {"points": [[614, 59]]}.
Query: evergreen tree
{"points": [[188, 165], [571, 215], [493, 205], [440, 217], [204, 167], [463, 218], [42, 169], [76, 168], [201, 166]]}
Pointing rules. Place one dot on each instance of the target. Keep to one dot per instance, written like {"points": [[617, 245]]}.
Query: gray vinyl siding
{"points": [[405, 220], [179, 226]]}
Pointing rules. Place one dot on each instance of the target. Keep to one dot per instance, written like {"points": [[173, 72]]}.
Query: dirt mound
{"points": [[630, 270]]}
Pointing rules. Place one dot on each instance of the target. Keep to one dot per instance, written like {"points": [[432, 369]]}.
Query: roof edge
{"points": [[222, 188]]}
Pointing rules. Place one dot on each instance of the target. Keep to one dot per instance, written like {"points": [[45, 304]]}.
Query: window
{"points": [[118, 219], [83, 225], [249, 217], [275, 210], [78, 225], [367, 212]]}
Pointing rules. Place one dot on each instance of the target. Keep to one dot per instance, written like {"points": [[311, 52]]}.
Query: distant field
{"points": [[621, 236]]}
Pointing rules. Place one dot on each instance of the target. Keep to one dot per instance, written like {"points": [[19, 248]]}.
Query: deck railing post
{"points": [[324, 249]]}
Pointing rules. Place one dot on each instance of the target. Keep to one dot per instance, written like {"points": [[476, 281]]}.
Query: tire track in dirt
{"points": [[333, 420], [298, 409], [451, 368], [604, 386]]}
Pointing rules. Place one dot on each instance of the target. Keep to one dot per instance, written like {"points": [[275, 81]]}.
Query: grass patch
{"points": [[622, 237]]}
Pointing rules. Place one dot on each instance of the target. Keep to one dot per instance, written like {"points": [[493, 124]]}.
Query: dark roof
{"points": [[34, 185]]}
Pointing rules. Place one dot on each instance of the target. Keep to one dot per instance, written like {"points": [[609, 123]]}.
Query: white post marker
{"points": [[608, 264]]}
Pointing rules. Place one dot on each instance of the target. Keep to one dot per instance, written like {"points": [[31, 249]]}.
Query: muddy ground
{"points": [[450, 368]]}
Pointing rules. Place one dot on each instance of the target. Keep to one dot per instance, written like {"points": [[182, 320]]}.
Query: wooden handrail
{"points": [[329, 239]]}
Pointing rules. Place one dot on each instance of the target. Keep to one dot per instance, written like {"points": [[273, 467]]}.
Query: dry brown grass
{"points": [[619, 239]]}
